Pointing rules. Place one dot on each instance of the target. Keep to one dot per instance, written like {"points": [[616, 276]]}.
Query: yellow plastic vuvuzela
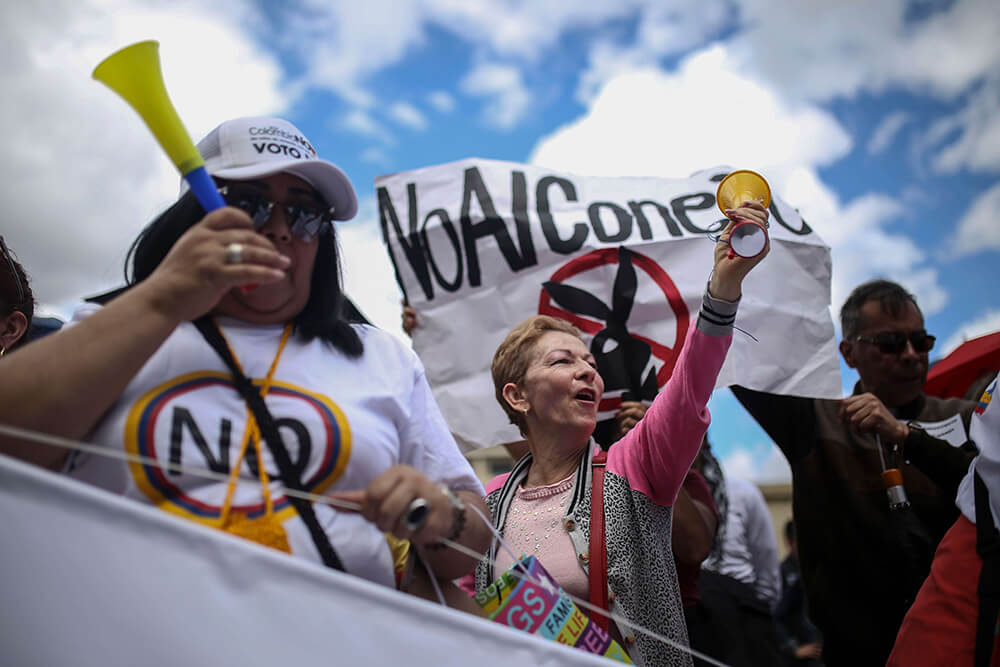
{"points": [[740, 186], [134, 73], [748, 239]]}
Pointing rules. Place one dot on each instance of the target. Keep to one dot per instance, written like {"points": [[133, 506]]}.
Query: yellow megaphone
{"points": [[134, 73], [748, 239]]}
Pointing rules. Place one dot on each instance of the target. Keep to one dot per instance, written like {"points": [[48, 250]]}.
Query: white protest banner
{"points": [[91, 579], [480, 245]]}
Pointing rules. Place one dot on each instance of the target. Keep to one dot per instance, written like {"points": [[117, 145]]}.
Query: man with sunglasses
{"points": [[862, 564]]}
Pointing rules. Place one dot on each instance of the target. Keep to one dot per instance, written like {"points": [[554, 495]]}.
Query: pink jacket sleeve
{"points": [[656, 454]]}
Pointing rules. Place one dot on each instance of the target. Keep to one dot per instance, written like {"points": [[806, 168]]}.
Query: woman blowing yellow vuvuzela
{"points": [[192, 368]]}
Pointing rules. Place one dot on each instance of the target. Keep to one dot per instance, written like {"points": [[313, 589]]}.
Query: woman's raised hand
{"points": [[198, 270], [729, 271]]}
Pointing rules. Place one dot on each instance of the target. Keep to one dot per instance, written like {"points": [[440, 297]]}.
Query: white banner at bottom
{"points": [[89, 578]]}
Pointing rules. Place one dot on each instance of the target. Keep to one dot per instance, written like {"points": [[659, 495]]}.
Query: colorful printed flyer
{"points": [[545, 610]]}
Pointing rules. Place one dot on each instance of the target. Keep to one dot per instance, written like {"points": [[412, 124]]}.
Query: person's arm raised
{"points": [[728, 272], [655, 455], [63, 383]]}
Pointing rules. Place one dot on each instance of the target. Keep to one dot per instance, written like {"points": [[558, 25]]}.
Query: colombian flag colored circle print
{"points": [[198, 420]]}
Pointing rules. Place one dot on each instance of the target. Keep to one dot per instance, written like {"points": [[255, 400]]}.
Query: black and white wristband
{"points": [[716, 316]]}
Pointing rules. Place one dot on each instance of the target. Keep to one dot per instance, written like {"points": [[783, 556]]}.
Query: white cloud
{"points": [[762, 463], [844, 49], [525, 30], [661, 30], [341, 44], [738, 463], [442, 101], [361, 122], [374, 155], [83, 175], [652, 123], [950, 51], [887, 131], [978, 230], [840, 49], [969, 138], [649, 123], [812, 51], [605, 61], [987, 323], [406, 114], [925, 284], [507, 99], [369, 279], [681, 25], [863, 249]]}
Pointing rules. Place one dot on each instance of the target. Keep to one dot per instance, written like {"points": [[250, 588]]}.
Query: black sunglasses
{"points": [[894, 342], [13, 272], [305, 220]]}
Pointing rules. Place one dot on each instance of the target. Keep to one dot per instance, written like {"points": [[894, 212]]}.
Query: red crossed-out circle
{"points": [[596, 258]]}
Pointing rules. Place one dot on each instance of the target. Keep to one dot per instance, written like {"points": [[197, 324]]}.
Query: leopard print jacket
{"points": [[642, 576]]}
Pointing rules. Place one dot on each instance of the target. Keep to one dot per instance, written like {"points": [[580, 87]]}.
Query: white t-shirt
{"points": [[985, 432], [344, 421]]}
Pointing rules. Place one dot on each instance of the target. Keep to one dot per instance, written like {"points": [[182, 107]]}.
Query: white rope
{"points": [[65, 443], [204, 473], [430, 574]]}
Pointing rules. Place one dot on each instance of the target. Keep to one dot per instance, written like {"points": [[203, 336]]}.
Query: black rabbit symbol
{"points": [[621, 367]]}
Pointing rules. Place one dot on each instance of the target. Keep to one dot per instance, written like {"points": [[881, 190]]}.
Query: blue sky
{"points": [[878, 120]]}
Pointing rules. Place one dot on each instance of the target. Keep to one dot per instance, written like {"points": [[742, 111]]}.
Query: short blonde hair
{"points": [[512, 358]]}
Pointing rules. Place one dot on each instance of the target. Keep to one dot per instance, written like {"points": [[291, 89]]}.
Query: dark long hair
{"points": [[12, 275], [323, 315]]}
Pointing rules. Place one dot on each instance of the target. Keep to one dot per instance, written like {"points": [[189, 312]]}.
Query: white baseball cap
{"points": [[247, 148]]}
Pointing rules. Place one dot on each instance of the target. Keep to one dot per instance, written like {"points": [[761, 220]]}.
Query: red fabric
{"points": [[940, 628], [950, 377], [687, 575], [598, 553]]}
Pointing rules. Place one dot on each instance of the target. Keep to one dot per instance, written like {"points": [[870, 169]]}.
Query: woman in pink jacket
{"points": [[547, 382]]}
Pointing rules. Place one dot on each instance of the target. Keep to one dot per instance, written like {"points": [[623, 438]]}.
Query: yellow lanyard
{"points": [[266, 530]]}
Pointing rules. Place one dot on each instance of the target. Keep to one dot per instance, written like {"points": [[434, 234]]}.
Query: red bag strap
{"points": [[598, 554]]}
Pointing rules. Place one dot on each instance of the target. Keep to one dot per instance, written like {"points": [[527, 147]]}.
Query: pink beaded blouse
{"points": [[535, 527]]}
